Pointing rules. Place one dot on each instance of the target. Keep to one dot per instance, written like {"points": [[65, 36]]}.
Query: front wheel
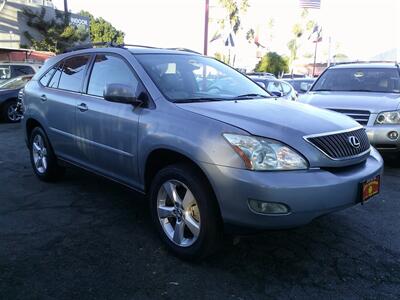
{"points": [[43, 160], [185, 212]]}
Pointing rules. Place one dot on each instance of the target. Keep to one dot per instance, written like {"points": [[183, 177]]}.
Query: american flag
{"points": [[310, 4]]}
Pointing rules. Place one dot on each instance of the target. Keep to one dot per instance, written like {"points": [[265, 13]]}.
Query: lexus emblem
{"points": [[354, 142]]}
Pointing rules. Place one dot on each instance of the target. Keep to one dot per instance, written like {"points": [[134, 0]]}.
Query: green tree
{"points": [[273, 63], [57, 34], [234, 9], [221, 57], [103, 31], [299, 30]]}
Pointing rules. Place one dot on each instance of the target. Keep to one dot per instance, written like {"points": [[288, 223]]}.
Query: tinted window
{"points": [[56, 78], [384, 80], [109, 69], [192, 77], [22, 70], [73, 73], [45, 79]]}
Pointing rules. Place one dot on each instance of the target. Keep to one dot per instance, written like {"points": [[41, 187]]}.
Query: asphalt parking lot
{"points": [[88, 238]]}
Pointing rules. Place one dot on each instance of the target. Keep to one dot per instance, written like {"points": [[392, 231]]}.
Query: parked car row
{"points": [[212, 149]]}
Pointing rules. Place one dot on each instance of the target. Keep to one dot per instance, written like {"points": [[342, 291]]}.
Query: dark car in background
{"points": [[276, 87], [9, 108], [367, 92], [301, 85]]}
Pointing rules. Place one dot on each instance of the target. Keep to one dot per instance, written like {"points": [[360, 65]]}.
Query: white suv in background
{"points": [[9, 70]]}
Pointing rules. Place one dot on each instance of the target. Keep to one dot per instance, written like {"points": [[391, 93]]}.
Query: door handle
{"points": [[82, 107], [43, 98]]}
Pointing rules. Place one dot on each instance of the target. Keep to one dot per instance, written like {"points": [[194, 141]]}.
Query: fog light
{"points": [[393, 135], [262, 207]]}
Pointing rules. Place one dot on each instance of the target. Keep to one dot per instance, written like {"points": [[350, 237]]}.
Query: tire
{"points": [[9, 113], [43, 160], [195, 242]]}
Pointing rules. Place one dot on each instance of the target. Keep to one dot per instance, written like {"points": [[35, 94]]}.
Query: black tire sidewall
{"points": [[5, 108], [210, 230]]}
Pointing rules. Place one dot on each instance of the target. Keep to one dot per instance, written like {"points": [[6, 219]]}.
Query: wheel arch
{"points": [[163, 157], [31, 124], [4, 103]]}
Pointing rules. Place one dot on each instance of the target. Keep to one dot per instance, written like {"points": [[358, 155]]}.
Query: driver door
{"points": [[107, 131]]}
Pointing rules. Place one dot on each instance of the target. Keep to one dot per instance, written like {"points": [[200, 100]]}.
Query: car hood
{"points": [[273, 118], [282, 120], [373, 102]]}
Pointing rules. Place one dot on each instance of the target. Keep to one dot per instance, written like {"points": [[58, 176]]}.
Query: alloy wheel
{"points": [[12, 113], [39, 152], [178, 213]]}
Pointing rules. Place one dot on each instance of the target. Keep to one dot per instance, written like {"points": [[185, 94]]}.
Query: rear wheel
{"points": [[185, 212], [43, 160], [10, 112]]}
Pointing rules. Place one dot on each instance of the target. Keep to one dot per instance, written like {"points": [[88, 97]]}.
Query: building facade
{"points": [[13, 22]]}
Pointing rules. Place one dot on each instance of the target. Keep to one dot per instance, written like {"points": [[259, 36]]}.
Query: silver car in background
{"points": [[276, 87], [367, 92]]}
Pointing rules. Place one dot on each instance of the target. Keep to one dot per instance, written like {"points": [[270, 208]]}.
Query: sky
{"points": [[360, 29]]}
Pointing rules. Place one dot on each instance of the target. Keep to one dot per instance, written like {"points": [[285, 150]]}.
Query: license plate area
{"points": [[370, 188]]}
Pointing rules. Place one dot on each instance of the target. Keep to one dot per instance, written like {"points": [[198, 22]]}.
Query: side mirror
{"points": [[277, 94], [121, 93]]}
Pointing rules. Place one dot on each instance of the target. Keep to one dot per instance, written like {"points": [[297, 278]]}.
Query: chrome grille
{"points": [[361, 116], [338, 146]]}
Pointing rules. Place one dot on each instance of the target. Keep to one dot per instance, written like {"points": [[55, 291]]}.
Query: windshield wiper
{"points": [[203, 99], [359, 90], [251, 95]]}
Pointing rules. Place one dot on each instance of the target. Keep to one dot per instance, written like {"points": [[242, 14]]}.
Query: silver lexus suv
{"points": [[212, 150]]}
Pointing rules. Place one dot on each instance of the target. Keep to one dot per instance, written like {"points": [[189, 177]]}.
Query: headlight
{"points": [[261, 154], [388, 117]]}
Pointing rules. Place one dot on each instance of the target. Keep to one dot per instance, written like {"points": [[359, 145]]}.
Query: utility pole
{"points": [[207, 6], [315, 58], [66, 6]]}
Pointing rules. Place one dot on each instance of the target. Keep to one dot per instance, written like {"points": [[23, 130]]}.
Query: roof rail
{"points": [[365, 62], [25, 61], [183, 49], [92, 45], [115, 45], [139, 46]]}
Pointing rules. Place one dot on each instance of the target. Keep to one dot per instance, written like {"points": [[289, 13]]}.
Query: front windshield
{"points": [[14, 83], [383, 80], [189, 78]]}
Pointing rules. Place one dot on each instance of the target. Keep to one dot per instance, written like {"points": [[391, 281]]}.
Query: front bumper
{"points": [[308, 194], [378, 137]]}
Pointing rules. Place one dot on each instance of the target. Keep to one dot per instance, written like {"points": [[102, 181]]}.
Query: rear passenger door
{"points": [[107, 131], [59, 99]]}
